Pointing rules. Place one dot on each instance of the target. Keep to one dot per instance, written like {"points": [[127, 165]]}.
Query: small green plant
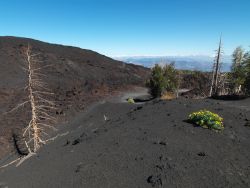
{"points": [[131, 100], [206, 119]]}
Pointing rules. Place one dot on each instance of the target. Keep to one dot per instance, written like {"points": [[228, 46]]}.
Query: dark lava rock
{"points": [[76, 141], [80, 139], [201, 154], [163, 143], [78, 168], [67, 143], [154, 180], [247, 124]]}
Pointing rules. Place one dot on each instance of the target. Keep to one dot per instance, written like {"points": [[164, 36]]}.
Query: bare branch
{"points": [[25, 158], [34, 55], [46, 101], [46, 125], [42, 67], [16, 108], [43, 92]]}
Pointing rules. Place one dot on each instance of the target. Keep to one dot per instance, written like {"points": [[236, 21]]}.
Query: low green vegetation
{"points": [[206, 119], [131, 100]]}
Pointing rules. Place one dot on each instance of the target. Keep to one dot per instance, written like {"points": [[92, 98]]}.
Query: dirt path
{"points": [[134, 93]]}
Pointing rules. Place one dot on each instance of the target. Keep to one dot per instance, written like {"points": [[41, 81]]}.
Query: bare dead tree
{"points": [[216, 71], [40, 103]]}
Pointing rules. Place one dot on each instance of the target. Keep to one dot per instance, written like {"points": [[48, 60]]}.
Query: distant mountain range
{"points": [[201, 63]]}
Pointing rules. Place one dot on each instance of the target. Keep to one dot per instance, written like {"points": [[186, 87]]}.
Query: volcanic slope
{"points": [[144, 146], [77, 77]]}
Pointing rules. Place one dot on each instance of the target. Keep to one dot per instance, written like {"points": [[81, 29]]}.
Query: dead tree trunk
{"points": [[38, 97], [40, 106], [216, 71]]}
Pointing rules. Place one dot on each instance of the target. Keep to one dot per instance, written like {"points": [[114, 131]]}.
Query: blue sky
{"points": [[131, 27]]}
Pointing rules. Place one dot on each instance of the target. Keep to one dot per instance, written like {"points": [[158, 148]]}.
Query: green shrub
{"points": [[206, 119], [172, 76], [162, 79], [131, 100], [157, 82]]}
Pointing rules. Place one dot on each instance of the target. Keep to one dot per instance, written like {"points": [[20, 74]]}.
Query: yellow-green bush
{"points": [[206, 119], [131, 100]]}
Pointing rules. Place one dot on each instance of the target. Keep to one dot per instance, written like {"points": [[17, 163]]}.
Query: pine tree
{"points": [[157, 82], [238, 74], [163, 78]]}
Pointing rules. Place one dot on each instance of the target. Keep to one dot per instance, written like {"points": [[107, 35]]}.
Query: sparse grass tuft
{"points": [[168, 96]]}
